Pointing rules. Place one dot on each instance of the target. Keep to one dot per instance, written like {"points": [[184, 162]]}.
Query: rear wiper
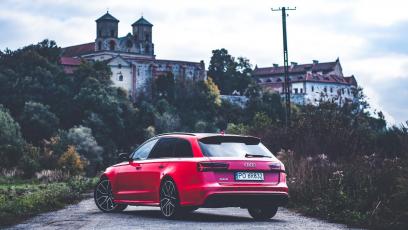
{"points": [[255, 155]]}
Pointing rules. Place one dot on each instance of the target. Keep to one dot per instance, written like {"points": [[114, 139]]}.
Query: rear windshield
{"points": [[233, 147]]}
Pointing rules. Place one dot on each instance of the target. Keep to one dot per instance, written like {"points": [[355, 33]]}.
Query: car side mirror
{"points": [[124, 156]]}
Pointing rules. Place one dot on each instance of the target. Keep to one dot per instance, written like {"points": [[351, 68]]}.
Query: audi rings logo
{"points": [[250, 164]]}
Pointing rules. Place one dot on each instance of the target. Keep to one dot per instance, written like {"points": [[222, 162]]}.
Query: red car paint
{"points": [[137, 182]]}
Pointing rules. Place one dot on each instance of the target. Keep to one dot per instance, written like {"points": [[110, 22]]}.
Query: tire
{"points": [[169, 199], [104, 199], [263, 213]]}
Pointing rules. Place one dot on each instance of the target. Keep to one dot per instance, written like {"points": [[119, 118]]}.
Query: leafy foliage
{"points": [[71, 162], [20, 201], [229, 74], [38, 122], [11, 141]]}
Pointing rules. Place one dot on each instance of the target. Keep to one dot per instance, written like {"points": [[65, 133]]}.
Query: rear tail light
{"points": [[282, 177], [211, 166], [276, 166]]}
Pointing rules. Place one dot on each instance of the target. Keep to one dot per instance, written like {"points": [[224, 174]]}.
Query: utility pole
{"points": [[286, 85]]}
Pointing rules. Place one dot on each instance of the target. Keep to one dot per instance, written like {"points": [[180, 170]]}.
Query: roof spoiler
{"points": [[218, 139]]}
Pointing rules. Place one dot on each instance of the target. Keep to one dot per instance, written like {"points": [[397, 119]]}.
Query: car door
{"points": [[129, 178], [155, 165]]}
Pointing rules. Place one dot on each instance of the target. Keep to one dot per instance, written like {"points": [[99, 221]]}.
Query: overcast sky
{"points": [[370, 37]]}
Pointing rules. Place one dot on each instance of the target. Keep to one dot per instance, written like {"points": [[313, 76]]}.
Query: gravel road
{"points": [[85, 215]]}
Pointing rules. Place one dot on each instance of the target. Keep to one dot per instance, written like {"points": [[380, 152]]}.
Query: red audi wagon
{"points": [[181, 172]]}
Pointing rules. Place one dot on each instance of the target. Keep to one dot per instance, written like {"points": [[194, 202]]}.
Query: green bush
{"points": [[19, 201], [11, 141], [29, 163], [368, 191]]}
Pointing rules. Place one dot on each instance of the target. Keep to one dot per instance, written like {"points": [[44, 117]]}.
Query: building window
{"points": [[120, 66], [120, 77], [99, 33], [129, 44], [342, 91], [147, 36], [99, 45], [325, 89], [331, 89], [301, 91], [296, 91], [112, 45], [312, 88], [147, 49], [112, 33], [348, 91]]}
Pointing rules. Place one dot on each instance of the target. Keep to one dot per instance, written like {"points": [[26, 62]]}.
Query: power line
{"points": [[286, 86]]}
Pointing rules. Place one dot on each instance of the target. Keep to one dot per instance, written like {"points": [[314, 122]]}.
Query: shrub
{"points": [[11, 141], [71, 162], [81, 137], [29, 162], [19, 201], [38, 122], [368, 191]]}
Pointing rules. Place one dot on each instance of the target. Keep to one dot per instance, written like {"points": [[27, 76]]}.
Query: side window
{"points": [[182, 148], [143, 151], [164, 149]]}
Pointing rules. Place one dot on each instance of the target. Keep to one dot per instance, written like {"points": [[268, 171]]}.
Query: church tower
{"points": [[106, 33], [142, 32]]}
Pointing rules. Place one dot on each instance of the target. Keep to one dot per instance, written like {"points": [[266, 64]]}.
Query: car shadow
{"points": [[197, 216]]}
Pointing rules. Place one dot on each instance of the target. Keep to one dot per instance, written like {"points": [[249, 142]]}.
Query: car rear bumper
{"points": [[237, 195], [217, 200]]}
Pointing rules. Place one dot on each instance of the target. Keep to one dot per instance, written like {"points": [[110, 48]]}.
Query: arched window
{"points": [[121, 77], [312, 88], [112, 45], [147, 49], [99, 45]]}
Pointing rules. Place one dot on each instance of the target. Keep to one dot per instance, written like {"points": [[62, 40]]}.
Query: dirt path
{"points": [[85, 215]]}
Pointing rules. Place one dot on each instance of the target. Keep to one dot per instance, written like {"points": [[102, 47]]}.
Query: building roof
{"points": [[143, 22], [351, 80], [70, 61], [78, 50], [318, 78], [324, 67], [107, 17]]}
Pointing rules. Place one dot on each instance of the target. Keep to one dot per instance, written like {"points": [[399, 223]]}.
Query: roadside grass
{"points": [[369, 191], [20, 199]]}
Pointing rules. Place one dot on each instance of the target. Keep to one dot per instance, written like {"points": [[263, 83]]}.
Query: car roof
{"points": [[199, 135]]}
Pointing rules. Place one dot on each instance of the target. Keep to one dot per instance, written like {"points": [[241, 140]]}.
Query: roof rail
{"points": [[180, 133]]}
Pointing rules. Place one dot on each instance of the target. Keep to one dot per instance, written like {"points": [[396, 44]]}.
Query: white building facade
{"points": [[310, 83], [131, 58]]}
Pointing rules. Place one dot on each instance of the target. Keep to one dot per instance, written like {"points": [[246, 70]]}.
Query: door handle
{"points": [[161, 166], [138, 167]]}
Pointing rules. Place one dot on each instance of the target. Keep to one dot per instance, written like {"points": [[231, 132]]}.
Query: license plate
{"points": [[249, 176]]}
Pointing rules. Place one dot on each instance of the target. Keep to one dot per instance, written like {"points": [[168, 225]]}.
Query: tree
{"points": [[71, 162], [81, 137], [38, 122], [228, 74], [11, 141], [163, 87]]}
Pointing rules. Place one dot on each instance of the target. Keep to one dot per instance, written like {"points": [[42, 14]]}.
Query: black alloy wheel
{"points": [[104, 199]]}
